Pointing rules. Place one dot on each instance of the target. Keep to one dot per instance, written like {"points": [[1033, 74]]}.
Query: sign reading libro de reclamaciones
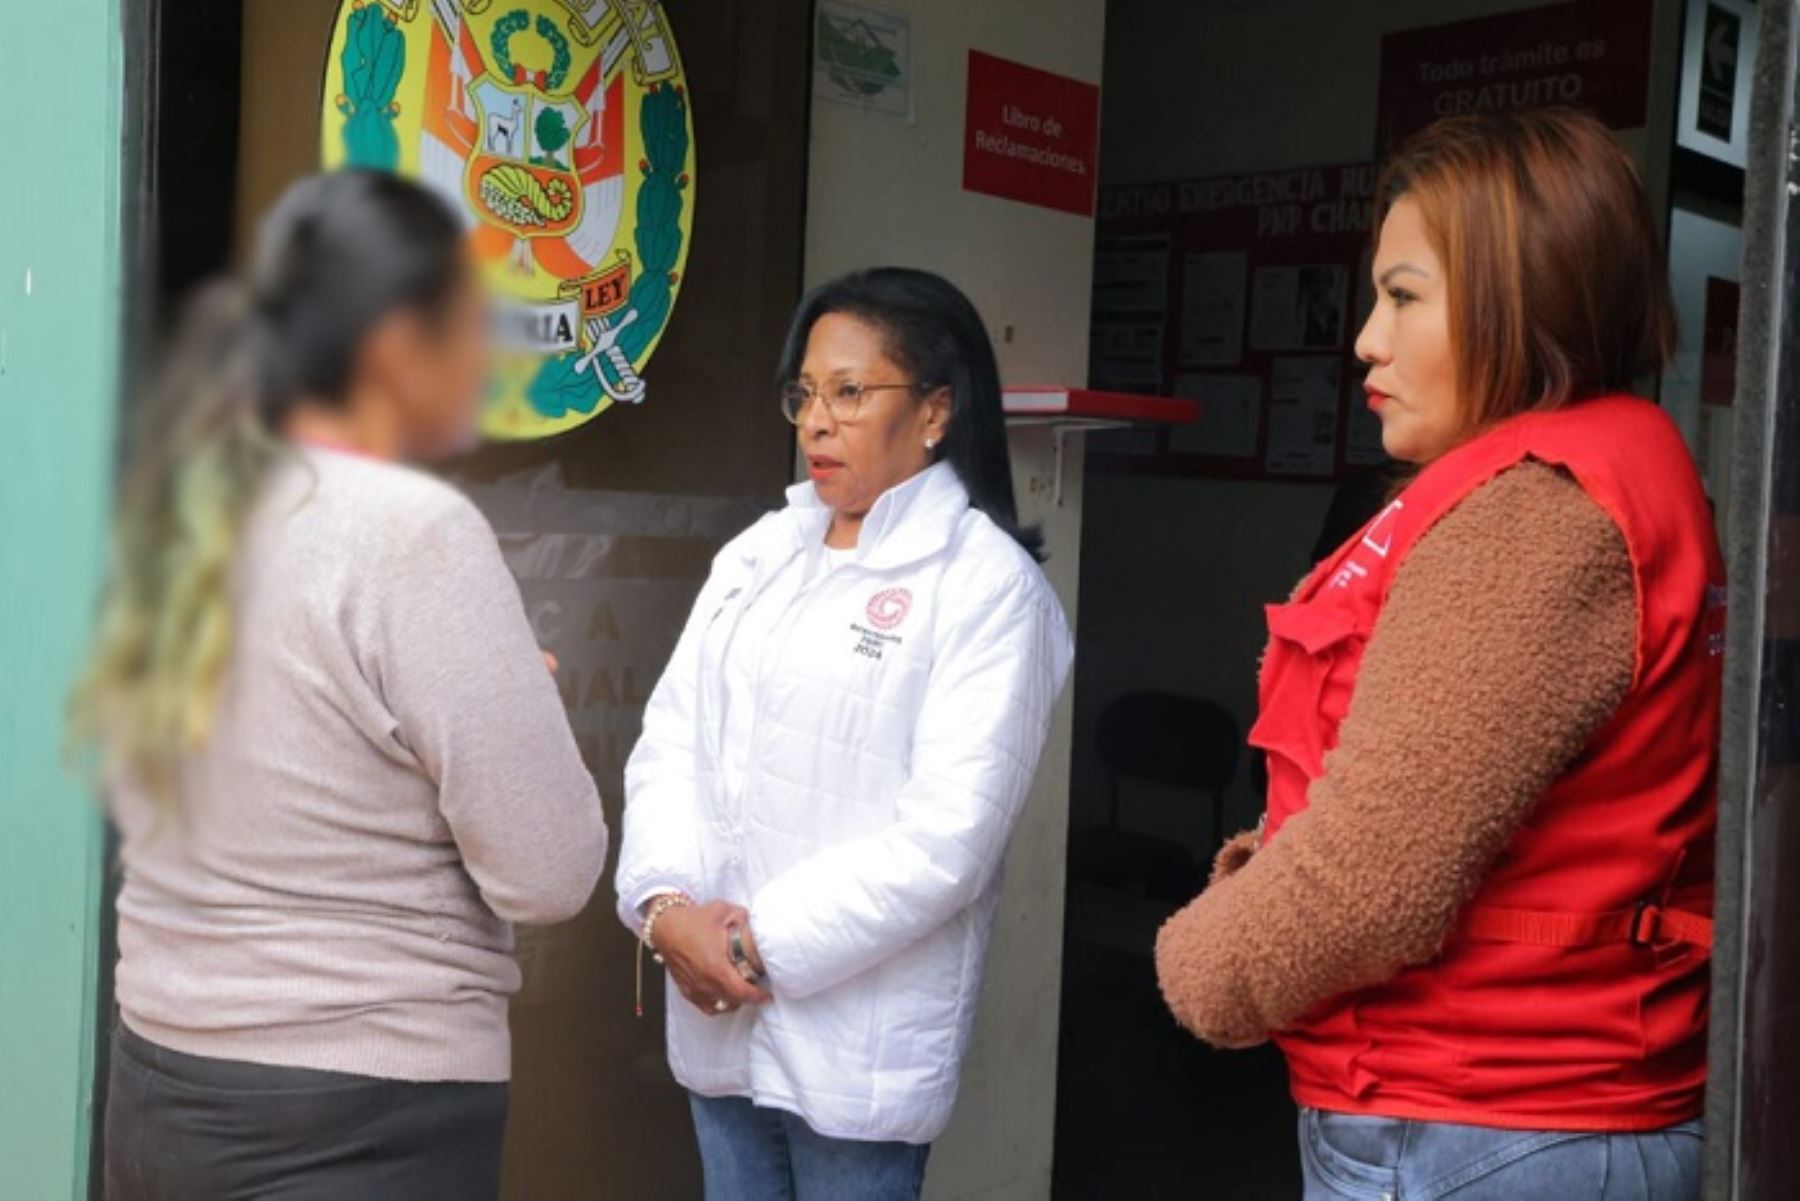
{"points": [[1031, 136], [561, 129]]}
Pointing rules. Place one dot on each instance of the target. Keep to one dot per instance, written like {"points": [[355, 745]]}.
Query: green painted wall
{"points": [[59, 289]]}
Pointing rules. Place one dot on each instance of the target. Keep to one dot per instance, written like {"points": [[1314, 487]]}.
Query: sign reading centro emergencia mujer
{"points": [[561, 129]]}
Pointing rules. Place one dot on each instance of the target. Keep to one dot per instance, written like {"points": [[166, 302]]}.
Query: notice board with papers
{"points": [[1244, 292]]}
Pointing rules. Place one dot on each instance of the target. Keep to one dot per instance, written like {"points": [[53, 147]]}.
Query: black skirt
{"points": [[186, 1128]]}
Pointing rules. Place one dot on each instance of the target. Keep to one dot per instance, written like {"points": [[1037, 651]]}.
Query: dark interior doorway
{"points": [[1188, 535]]}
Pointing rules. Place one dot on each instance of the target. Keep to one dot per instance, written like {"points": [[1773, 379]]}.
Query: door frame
{"points": [[1749, 1105], [61, 272]]}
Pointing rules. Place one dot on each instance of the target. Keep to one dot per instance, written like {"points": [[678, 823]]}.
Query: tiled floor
{"points": [[1146, 1112]]}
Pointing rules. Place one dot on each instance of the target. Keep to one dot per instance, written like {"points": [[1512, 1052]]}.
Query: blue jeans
{"points": [[755, 1154], [1350, 1158]]}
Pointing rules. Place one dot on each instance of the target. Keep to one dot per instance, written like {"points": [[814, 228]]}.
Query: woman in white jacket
{"points": [[837, 754]]}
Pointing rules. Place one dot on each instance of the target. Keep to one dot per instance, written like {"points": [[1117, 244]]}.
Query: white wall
{"points": [[1177, 571], [890, 192]]}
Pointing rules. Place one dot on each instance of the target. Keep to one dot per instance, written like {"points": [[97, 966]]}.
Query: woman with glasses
{"points": [[836, 755]]}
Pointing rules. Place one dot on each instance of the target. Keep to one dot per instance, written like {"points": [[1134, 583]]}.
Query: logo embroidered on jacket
{"points": [[1378, 538], [889, 607]]}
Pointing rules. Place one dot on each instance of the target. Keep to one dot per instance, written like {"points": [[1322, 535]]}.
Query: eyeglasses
{"points": [[843, 399]]}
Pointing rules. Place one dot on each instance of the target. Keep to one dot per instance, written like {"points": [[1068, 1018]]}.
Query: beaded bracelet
{"points": [[647, 939]]}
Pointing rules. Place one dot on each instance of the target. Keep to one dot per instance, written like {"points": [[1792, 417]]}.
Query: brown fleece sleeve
{"points": [[1508, 637]]}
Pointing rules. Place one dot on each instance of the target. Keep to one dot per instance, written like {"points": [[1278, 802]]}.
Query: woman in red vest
{"points": [[1476, 915]]}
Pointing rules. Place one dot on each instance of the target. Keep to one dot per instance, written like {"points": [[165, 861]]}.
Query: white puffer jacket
{"points": [[898, 722]]}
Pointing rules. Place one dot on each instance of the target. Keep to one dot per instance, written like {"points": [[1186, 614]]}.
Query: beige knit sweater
{"points": [[1507, 638], [390, 782]]}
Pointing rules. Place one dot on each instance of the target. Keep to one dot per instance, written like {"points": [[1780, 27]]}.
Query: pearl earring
{"points": [[930, 442]]}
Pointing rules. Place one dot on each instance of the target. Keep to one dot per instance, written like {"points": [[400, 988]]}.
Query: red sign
{"points": [[1592, 54], [1032, 136], [604, 294]]}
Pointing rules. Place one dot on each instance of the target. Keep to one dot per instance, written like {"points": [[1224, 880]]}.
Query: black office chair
{"points": [[1158, 738]]}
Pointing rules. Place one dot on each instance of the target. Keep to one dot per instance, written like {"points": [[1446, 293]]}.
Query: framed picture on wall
{"points": [[1717, 58]]}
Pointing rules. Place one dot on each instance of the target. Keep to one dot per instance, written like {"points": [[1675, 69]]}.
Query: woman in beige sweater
{"points": [[338, 764], [1476, 918]]}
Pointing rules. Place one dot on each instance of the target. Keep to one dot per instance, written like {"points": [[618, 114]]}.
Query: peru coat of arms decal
{"points": [[561, 130]]}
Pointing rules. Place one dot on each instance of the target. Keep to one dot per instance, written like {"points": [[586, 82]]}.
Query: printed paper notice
{"points": [[1299, 308], [1365, 292], [1362, 429], [863, 58], [1131, 275], [1362, 437], [1303, 415], [1230, 416], [1212, 309], [1125, 354]]}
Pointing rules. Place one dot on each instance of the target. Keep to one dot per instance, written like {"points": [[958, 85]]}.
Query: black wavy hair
{"points": [[934, 333], [337, 253]]}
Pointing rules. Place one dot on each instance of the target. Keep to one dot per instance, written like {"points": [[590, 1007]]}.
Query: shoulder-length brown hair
{"points": [[1556, 283]]}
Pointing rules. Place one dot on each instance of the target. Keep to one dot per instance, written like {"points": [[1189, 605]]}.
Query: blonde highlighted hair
{"points": [[164, 633]]}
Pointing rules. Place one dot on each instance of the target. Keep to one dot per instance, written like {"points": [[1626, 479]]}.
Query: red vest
{"points": [[1573, 993]]}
